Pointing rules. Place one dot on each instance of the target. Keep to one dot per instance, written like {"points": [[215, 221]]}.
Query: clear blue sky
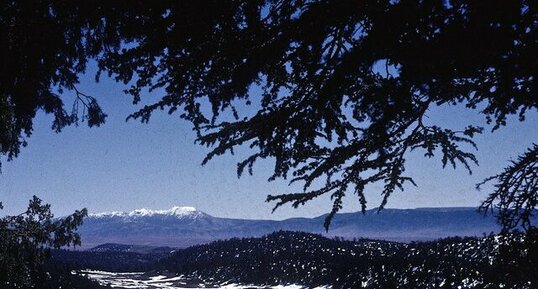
{"points": [[128, 165]]}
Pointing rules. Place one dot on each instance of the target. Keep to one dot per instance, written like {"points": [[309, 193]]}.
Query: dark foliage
{"points": [[345, 86], [516, 192], [42, 51], [302, 258], [111, 261], [325, 112], [26, 240], [59, 277], [345, 89]]}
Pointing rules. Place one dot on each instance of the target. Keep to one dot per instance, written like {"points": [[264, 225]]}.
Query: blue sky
{"points": [[128, 165]]}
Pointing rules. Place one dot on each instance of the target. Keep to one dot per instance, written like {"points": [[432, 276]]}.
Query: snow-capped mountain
{"points": [[179, 212], [186, 226]]}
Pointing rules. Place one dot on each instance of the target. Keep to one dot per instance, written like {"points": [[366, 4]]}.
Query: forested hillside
{"points": [[302, 258], [113, 261], [313, 260]]}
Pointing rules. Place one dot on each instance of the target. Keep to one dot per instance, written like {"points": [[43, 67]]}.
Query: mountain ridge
{"points": [[179, 227], [186, 210]]}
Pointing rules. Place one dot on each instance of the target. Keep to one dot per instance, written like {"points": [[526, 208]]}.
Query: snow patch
{"points": [[141, 280]]}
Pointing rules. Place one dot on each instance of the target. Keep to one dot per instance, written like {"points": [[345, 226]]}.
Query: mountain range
{"points": [[181, 227]]}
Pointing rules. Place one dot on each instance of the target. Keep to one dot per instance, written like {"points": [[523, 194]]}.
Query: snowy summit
{"points": [[174, 211]]}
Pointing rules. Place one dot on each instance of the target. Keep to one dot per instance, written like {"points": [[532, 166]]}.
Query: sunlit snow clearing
{"points": [[145, 280]]}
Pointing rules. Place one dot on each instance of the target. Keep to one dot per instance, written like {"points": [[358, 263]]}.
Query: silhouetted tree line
{"points": [[111, 261], [313, 260]]}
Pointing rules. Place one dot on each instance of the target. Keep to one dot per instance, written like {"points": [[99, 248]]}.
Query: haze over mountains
{"points": [[186, 226]]}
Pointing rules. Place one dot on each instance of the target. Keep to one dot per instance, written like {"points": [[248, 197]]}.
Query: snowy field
{"points": [[145, 280]]}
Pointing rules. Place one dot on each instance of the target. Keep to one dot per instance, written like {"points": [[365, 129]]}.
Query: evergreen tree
{"points": [[345, 85], [26, 240]]}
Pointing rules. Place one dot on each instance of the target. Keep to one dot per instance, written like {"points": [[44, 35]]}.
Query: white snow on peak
{"points": [[174, 211]]}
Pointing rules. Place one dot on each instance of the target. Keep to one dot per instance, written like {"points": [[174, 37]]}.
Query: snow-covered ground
{"points": [[144, 280]]}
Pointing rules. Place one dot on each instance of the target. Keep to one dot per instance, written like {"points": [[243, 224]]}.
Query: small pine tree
{"points": [[26, 240]]}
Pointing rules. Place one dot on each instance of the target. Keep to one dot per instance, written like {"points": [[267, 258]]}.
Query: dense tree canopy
{"points": [[345, 85]]}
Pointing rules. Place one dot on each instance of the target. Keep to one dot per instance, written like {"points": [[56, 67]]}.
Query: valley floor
{"points": [[132, 280]]}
